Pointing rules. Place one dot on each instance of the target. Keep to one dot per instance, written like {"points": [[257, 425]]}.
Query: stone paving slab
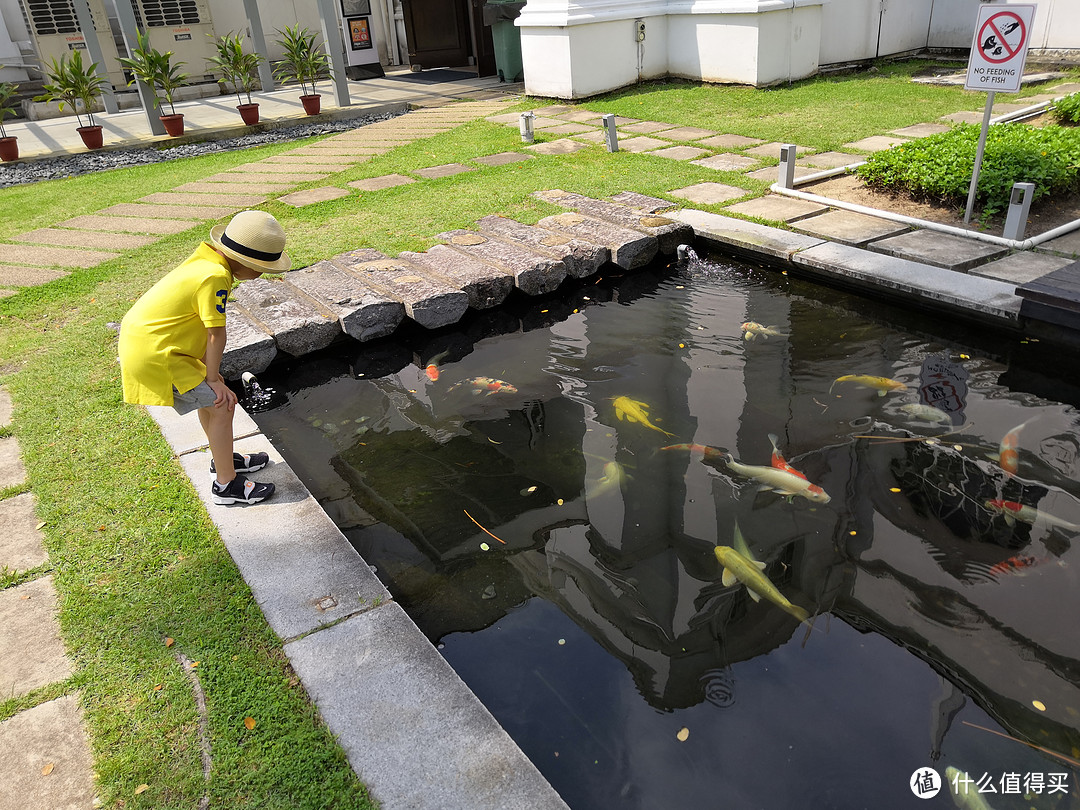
{"points": [[580, 115], [302, 161], [630, 249], [373, 678], [43, 256], [253, 178], [191, 198], [232, 187], [515, 117], [727, 162], [920, 130], [643, 202], [830, 160], [850, 228], [288, 168], [49, 734], [772, 150], [298, 324], [31, 652], [669, 234], [568, 129], [363, 312], [96, 222], [875, 143], [939, 249], [341, 150], [580, 258], [7, 293], [645, 127], [6, 407], [964, 117], [185, 435], [596, 136], [771, 174], [1068, 245], [709, 193], [366, 143], [911, 281], [542, 122], [563, 146], [746, 238], [681, 152], [729, 141], [502, 158], [486, 284], [385, 181], [88, 239], [640, 144], [1020, 268], [688, 134], [15, 276], [22, 544], [197, 212], [445, 170], [778, 208], [298, 199]]}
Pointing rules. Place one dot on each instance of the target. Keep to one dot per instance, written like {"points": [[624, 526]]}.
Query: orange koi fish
{"points": [[705, 450], [1009, 451], [1013, 511], [486, 386], [432, 367], [1019, 564], [778, 462], [882, 385]]}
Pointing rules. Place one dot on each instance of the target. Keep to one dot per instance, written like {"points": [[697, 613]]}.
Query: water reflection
{"points": [[610, 525]]}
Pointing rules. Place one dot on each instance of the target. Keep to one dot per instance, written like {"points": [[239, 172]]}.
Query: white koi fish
{"points": [[752, 329]]}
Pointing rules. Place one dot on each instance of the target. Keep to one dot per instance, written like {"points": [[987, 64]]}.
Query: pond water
{"points": [[561, 553]]}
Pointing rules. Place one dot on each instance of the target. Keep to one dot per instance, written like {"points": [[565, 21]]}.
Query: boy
{"points": [[173, 338]]}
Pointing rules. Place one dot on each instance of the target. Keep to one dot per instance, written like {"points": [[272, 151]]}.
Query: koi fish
{"points": [[487, 386], [751, 329], [1009, 451], [742, 568], [432, 368], [927, 413], [705, 450], [1019, 564], [777, 460], [612, 478], [882, 385], [1013, 511], [779, 481], [633, 411], [964, 790]]}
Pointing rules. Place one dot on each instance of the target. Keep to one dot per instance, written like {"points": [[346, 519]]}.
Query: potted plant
{"points": [[9, 144], [156, 70], [238, 69], [72, 82], [304, 62]]}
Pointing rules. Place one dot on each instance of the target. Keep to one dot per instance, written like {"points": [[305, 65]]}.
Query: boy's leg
{"points": [[217, 425]]}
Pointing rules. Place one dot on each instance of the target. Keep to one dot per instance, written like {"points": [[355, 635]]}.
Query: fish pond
{"points": [[544, 489]]}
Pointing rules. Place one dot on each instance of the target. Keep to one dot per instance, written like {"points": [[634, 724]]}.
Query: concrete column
{"points": [[97, 55], [126, 15], [258, 41], [331, 31]]}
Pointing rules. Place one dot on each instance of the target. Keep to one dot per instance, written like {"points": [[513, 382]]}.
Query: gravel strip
{"points": [[31, 171]]}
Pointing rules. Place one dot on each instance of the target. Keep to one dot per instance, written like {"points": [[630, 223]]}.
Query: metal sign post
{"points": [[996, 65]]}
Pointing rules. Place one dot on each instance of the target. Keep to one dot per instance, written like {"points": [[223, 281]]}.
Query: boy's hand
{"points": [[225, 395]]}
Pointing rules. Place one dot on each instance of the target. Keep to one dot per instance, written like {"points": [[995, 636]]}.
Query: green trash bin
{"points": [[500, 15]]}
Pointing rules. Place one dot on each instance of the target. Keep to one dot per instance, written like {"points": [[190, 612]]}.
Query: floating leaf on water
{"points": [[48, 769], [316, 422], [1038, 704], [249, 723], [853, 532], [965, 356], [562, 641], [142, 788], [493, 441], [529, 490], [683, 735], [894, 489], [488, 592], [484, 547], [559, 502]]}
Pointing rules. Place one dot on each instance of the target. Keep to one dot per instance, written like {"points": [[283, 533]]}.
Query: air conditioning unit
{"points": [[181, 26], [55, 30]]}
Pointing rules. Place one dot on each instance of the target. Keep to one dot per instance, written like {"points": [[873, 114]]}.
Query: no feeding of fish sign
{"points": [[1000, 48]]}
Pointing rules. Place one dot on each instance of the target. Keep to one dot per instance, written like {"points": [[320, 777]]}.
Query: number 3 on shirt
{"points": [[224, 296]]}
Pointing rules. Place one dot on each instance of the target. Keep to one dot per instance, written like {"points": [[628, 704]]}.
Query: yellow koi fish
{"points": [[781, 481], [882, 385], [612, 478], [741, 567], [751, 330], [633, 411]]}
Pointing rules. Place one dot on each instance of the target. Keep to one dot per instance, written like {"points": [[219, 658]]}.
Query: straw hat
{"points": [[255, 239]]}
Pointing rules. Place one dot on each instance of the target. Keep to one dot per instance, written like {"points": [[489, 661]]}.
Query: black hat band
{"points": [[251, 253]]}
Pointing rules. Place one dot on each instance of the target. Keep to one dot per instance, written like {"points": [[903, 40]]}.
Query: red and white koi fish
{"points": [[1013, 511], [486, 386], [1019, 564], [779, 481], [882, 385], [778, 461], [703, 449], [1009, 451], [751, 329]]}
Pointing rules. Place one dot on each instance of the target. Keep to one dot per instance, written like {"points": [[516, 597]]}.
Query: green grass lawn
{"points": [[137, 559]]}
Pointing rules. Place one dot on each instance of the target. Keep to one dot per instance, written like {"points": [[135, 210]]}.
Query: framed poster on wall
{"points": [[359, 29]]}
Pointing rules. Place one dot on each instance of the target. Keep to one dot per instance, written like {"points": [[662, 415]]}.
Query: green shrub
{"points": [[938, 168], [1067, 111]]}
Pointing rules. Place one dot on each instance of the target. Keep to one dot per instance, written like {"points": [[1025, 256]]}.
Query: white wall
{"points": [[849, 31], [952, 24]]}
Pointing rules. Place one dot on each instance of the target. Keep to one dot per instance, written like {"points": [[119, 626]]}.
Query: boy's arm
{"points": [[215, 349]]}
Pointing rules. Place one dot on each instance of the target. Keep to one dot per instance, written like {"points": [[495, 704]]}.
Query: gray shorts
{"points": [[201, 396]]}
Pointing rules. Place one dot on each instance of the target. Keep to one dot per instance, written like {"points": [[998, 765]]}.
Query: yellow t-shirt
{"points": [[163, 336]]}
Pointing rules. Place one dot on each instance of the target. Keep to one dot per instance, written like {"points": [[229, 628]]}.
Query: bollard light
{"points": [[526, 126], [787, 165], [610, 135], [1019, 206]]}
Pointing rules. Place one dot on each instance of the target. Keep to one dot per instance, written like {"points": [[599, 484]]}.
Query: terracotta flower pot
{"points": [[311, 104], [9, 148], [174, 124], [91, 136], [249, 113]]}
